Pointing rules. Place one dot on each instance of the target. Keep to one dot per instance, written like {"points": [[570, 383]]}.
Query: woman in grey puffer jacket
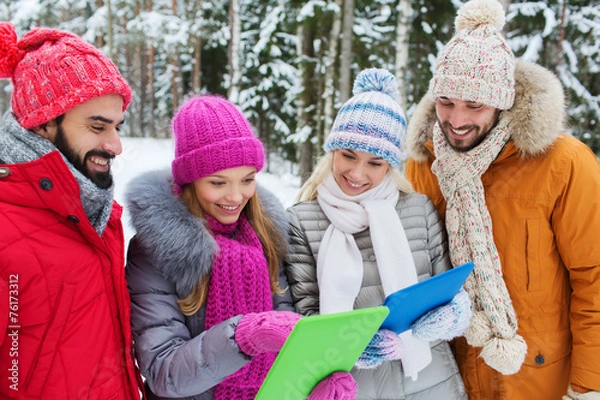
{"points": [[359, 234], [210, 307], [170, 253]]}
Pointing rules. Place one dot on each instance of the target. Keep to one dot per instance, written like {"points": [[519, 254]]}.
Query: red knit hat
{"points": [[53, 71]]}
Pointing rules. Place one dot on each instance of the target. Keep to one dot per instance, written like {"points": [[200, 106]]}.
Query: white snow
{"points": [[145, 154]]}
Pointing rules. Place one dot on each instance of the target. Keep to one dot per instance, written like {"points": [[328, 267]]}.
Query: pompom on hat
{"points": [[477, 63], [53, 71], [372, 121], [211, 135]]}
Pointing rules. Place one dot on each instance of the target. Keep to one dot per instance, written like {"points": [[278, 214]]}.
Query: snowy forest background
{"points": [[290, 64]]}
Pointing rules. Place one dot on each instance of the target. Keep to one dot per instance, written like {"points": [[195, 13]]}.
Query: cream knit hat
{"points": [[477, 64]]}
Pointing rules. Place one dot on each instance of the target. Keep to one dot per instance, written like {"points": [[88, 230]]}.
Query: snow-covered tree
{"points": [[295, 60]]}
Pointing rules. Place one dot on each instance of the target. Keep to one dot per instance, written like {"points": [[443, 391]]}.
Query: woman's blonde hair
{"points": [[324, 167], [272, 240]]}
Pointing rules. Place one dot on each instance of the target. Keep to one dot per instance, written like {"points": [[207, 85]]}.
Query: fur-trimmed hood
{"points": [[177, 242], [536, 119]]}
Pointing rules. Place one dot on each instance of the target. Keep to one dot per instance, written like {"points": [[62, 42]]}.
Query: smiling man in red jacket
{"points": [[64, 307]]}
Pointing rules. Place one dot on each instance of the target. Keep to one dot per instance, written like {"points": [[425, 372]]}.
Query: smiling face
{"points": [[88, 136], [224, 194], [356, 171], [465, 124]]}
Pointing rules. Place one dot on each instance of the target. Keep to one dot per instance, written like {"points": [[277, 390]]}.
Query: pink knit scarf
{"points": [[239, 284]]}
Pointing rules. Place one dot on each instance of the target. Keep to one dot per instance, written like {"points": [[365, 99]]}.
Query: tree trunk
{"points": [[99, 38], [346, 56], [197, 80], [196, 41], [109, 31], [329, 92], [128, 74], [147, 82], [137, 70], [405, 12], [561, 37], [152, 97], [175, 65], [318, 87], [306, 99], [234, 51]]}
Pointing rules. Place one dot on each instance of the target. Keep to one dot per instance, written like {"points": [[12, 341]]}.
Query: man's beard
{"points": [[103, 180], [479, 138], [462, 149]]}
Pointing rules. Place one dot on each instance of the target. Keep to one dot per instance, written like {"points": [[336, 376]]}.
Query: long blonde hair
{"points": [[324, 167], [272, 240]]}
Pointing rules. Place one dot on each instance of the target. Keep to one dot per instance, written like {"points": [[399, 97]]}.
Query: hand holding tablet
{"points": [[408, 304], [322, 344]]}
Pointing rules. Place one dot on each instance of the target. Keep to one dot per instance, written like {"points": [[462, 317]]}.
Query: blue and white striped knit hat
{"points": [[372, 121]]}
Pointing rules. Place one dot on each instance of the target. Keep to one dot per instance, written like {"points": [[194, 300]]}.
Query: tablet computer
{"points": [[318, 346], [408, 304]]}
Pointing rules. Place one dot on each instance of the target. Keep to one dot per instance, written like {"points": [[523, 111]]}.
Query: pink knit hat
{"points": [[477, 64], [53, 71], [211, 135]]}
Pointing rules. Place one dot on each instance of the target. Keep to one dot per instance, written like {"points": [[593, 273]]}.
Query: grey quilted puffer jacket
{"points": [[171, 251], [427, 240]]}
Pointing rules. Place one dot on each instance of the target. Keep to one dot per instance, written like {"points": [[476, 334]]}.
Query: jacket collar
{"points": [[536, 119]]}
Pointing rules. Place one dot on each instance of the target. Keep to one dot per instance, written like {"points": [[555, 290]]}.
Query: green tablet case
{"points": [[318, 346]]}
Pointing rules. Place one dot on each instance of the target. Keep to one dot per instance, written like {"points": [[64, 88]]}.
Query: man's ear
{"points": [[47, 130]]}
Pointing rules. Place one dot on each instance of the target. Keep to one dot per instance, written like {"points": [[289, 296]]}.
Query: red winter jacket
{"points": [[64, 306]]}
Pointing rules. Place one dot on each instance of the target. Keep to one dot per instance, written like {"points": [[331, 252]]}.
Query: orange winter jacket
{"points": [[543, 195]]}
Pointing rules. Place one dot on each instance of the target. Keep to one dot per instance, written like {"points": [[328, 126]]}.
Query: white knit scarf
{"points": [[339, 263], [469, 226]]}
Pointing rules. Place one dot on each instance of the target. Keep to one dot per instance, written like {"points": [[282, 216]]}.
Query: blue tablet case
{"points": [[318, 346], [408, 304]]}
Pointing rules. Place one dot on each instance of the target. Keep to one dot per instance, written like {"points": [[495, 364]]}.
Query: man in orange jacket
{"points": [[64, 306], [522, 200]]}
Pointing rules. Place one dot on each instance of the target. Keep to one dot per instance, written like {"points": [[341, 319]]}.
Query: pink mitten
{"points": [[263, 332], [337, 386]]}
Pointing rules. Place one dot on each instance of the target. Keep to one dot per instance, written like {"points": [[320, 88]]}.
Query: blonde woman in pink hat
{"points": [[520, 200], [210, 304], [64, 308]]}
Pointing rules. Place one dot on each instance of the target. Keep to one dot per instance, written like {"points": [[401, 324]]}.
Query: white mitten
{"points": [[573, 395], [445, 322]]}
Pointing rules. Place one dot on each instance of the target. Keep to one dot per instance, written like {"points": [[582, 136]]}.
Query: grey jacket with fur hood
{"points": [[171, 250]]}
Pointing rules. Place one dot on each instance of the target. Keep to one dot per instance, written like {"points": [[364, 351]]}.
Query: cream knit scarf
{"points": [[469, 225], [340, 265]]}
